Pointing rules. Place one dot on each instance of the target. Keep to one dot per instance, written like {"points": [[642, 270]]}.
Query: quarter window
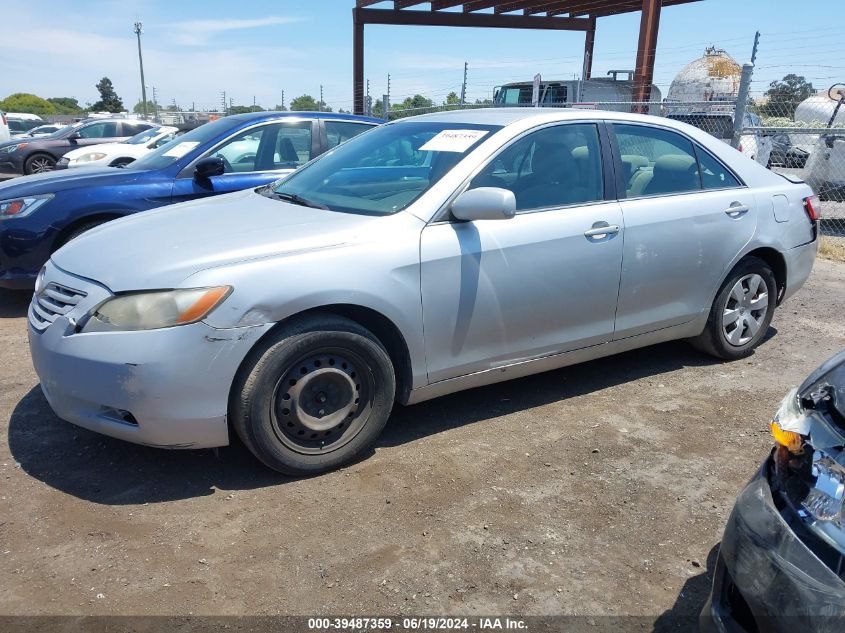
{"points": [[656, 161], [552, 167]]}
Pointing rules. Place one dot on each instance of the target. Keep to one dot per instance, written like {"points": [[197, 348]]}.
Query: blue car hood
{"points": [[161, 248], [56, 181]]}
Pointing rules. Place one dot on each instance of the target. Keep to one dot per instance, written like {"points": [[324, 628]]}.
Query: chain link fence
{"points": [[807, 140]]}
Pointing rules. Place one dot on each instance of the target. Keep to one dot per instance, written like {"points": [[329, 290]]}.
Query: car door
{"points": [[252, 157], [495, 292], [687, 216]]}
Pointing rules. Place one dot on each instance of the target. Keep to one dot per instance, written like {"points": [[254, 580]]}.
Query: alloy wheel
{"points": [[745, 310]]}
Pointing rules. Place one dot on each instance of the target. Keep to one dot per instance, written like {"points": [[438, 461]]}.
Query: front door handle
{"points": [[737, 209], [602, 231]]}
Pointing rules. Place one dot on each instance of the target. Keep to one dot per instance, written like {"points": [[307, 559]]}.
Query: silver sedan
{"points": [[427, 256]]}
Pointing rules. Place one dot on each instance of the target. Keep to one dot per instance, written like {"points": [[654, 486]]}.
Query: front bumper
{"points": [[767, 579], [12, 164], [167, 388]]}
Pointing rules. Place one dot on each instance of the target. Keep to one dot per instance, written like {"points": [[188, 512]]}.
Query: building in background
{"points": [[712, 77]]}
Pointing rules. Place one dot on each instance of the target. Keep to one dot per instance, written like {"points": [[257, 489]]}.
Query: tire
{"points": [[39, 164], [79, 230], [121, 162], [734, 327], [313, 396]]}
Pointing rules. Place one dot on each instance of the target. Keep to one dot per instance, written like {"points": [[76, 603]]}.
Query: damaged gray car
{"points": [[781, 564]]}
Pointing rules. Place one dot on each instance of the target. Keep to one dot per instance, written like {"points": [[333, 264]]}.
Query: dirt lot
{"points": [[597, 489]]}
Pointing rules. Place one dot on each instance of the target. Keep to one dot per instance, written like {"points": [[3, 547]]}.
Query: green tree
{"points": [[66, 105], [308, 103], [452, 98], [280, 107], [109, 101], [785, 95], [139, 107], [378, 109], [28, 103]]}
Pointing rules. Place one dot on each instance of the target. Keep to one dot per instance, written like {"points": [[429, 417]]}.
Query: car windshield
{"points": [[384, 170], [169, 153], [144, 137]]}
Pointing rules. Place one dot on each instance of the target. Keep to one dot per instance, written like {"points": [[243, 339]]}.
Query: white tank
{"points": [[713, 77], [817, 110]]}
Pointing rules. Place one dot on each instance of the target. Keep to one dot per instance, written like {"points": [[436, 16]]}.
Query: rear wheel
{"points": [[314, 396], [742, 311], [39, 163]]}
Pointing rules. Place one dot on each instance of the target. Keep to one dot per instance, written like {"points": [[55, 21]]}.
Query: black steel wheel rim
{"points": [[322, 401]]}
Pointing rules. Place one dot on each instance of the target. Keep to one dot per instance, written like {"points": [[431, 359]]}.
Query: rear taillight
{"points": [[813, 207], [740, 147]]}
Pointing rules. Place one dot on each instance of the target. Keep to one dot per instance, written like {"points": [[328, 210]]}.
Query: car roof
{"points": [[262, 116], [507, 116]]}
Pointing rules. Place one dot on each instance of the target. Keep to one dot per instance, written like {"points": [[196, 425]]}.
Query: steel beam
{"points": [[646, 51]]}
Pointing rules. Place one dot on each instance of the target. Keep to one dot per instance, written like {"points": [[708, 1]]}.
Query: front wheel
{"points": [[39, 164], [742, 311], [313, 395]]}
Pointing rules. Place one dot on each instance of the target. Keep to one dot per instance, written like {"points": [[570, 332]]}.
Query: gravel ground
{"points": [[599, 489]]}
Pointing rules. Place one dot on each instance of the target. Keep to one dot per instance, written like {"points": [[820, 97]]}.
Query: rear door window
{"points": [[105, 129], [656, 161], [339, 131]]}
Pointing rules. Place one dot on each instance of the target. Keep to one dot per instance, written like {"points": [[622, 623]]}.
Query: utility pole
{"points": [[387, 99], [754, 50], [253, 103], [464, 87], [368, 110], [138, 30], [320, 105], [283, 99], [155, 105], [223, 101]]}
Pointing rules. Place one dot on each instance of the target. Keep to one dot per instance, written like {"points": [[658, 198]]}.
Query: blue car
{"points": [[40, 213]]}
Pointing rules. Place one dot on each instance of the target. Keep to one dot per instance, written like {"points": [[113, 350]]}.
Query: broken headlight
{"points": [[824, 506], [156, 309], [812, 478]]}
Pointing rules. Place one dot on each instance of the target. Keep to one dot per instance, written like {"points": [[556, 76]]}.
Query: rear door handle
{"points": [[737, 209], [602, 231]]}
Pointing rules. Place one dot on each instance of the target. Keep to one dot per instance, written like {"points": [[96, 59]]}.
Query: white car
{"points": [[5, 135], [118, 154], [45, 130]]}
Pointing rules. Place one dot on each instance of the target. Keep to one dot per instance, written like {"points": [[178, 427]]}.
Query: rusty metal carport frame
{"points": [[561, 15]]}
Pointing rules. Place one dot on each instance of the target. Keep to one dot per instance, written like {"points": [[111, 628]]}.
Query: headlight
{"points": [[12, 148], [88, 158], [20, 207], [825, 503], [157, 309]]}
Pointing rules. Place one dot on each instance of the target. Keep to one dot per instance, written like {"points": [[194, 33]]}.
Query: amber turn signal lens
{"points": [[793, 442], [205, 304]]}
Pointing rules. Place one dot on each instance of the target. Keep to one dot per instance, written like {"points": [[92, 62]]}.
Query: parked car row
{"points": [[47, 210]]}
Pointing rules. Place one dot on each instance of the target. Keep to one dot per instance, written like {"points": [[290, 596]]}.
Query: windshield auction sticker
{"points": [[180, 149], [452, 141]]}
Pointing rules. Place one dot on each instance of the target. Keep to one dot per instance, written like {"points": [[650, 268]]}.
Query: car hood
{"points": [[827, 383], [56, 181], [161, 248], [103, 147]]}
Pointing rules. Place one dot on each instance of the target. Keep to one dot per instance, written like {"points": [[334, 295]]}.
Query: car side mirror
{"points": [[208, 167], [485, 203], [74, 137]]}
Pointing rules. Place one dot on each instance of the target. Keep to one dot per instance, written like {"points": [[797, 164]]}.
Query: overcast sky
{"points": [[193, 49]]}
